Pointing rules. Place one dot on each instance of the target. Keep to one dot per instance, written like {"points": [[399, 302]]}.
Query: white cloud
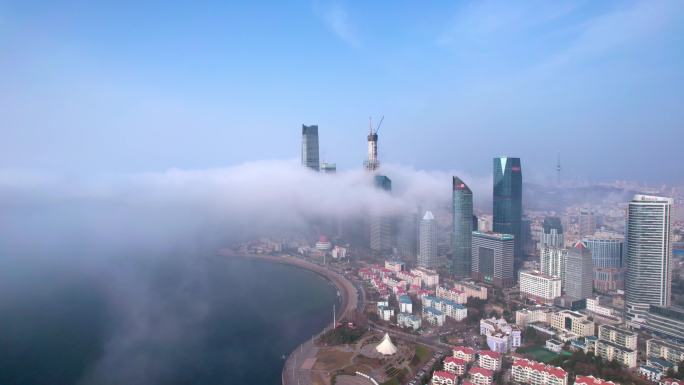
{"points": [[336, 18]]}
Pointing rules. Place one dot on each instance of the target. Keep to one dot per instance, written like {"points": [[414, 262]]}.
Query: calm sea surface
{"points": [[228, 321]]}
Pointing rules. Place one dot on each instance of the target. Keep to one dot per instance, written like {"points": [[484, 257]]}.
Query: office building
{"points": [[606, 252], [427, 254], [328, 168], [529, 246], [608, 280], [666, 321], [493, 258], [648, 279], [553, 262], [573, 322], [587, 223], [407, 236], [461, 235], [310, 147], [579, 272], [507, 204], [539, 286], [552, 234], [381, 225]]}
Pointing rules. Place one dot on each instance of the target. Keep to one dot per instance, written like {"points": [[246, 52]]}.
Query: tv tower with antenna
{"points": [[558, 169], [372, 164]]}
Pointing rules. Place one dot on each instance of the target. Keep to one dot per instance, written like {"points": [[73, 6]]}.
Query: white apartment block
{"points": [[428, 278], [540, 286], [455, 295], [490, 360]]}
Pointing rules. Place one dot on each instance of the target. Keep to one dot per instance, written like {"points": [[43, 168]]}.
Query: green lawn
{"points": [[423, 353], [538, 353]]}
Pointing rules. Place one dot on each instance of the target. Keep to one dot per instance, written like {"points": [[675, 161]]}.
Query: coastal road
{"points": [[298, 366]]}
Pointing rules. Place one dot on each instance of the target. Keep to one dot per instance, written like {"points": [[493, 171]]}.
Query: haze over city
{"points": [[342, 193]]}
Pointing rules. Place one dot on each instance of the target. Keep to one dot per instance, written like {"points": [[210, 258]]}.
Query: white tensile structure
{"points": [[386, 347]]}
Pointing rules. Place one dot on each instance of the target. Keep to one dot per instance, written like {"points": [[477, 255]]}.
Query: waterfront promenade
{"points": [[298, 368]]}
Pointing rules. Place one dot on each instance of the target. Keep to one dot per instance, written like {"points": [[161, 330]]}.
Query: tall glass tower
{"points": [[427, 254], [310, 147], [462, 230], [508, 202], [648, 256]]}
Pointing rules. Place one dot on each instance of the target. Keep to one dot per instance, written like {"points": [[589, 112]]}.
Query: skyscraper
{"points": [[328, 168], [552, 233], [587, 223], [579, 272], [310, 147], [553, 262], [507, 204], [493, 258], [381, 231], [605, 251], [372, 163], [427, 255], [462, 228], [648, 257]]}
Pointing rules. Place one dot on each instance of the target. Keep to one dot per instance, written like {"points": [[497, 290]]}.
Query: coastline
{"points": [[306, 352]]}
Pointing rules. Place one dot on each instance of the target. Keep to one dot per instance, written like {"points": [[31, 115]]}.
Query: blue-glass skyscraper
{"points": [[461, 232], [310, 147], [508, 202]]}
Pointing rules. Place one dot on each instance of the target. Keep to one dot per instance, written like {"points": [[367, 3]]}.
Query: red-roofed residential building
{"points": [[481, 376], [440, 377], [535, 373], [490, 360], [455, 365], [591, 380], [671, 381], [464, 353]]}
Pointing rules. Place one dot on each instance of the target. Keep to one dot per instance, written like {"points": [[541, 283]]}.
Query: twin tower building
{"points": [[490, 257]]}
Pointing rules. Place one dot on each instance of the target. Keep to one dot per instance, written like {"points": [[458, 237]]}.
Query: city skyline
{"points": [[186, 82], [399, 193]]}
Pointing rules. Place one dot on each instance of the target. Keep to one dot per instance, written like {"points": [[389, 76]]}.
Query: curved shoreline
{"points": [[348, 298]]}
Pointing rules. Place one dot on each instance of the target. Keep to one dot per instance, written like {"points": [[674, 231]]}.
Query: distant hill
{"points": [[539, 197]]}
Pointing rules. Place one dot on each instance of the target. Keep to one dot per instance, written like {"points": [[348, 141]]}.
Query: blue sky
{"points": [[92, 87]]}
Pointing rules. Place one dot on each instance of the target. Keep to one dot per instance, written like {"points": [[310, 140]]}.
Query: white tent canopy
{"points": [[386, 347]]}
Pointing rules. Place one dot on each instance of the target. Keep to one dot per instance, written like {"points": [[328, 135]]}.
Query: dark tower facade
{"points": [[508, 202], [310, 147], [462, 228]]}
